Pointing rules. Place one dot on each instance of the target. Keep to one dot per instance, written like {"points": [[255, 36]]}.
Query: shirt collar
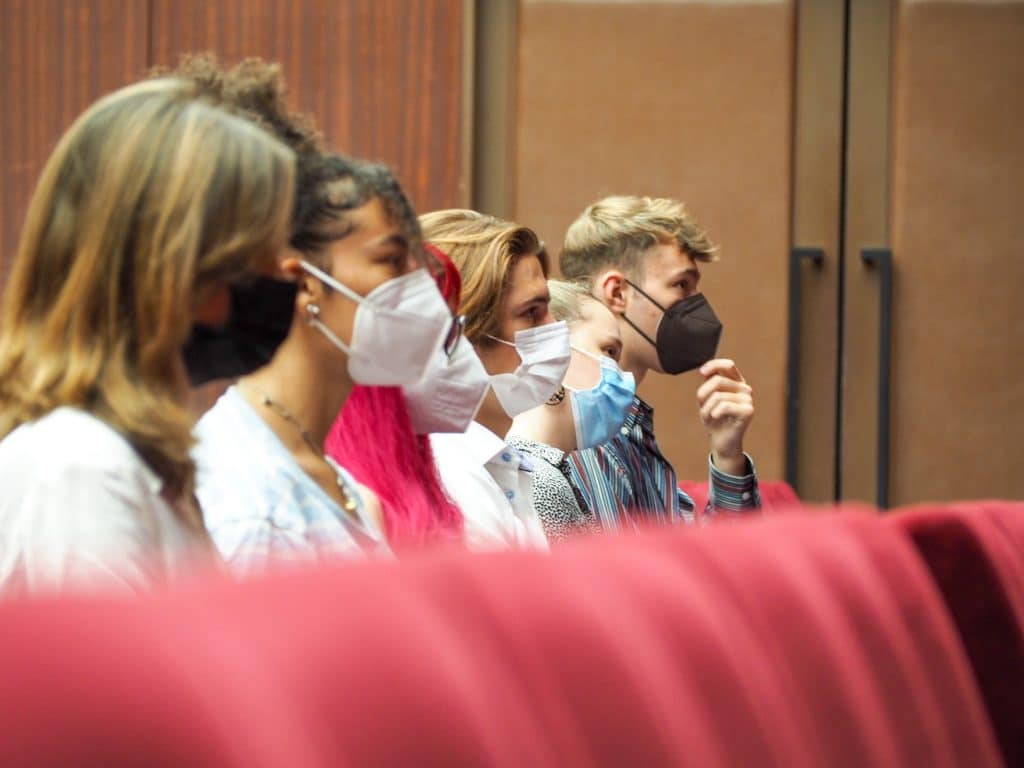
{"points": [[483, 444], [542, 451], [641, 415]]}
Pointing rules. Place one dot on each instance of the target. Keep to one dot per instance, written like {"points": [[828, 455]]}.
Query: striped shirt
{"points": [[628, 481]]}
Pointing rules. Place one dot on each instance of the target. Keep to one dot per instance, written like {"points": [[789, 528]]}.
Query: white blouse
{"points": [[79, 508], [492, 483], [260, 508]]}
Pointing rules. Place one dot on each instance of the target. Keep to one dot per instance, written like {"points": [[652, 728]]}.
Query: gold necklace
{"points": [[349, 503]]}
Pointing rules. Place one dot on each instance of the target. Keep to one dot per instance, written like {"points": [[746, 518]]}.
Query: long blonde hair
{"points": [[151, 202], [485, 249]]}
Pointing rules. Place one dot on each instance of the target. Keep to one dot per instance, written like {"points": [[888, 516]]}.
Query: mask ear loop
{"points": [[603, 363], [329, 281], [500, 341], [313, 318], [602, 360], [645, 294], [633, 325]]}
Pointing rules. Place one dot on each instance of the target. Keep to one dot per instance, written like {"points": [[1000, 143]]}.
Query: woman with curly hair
{"points": [[269, 490]]}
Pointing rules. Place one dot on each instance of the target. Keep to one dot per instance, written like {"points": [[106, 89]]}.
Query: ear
{"points": [[310, 291], [286, 265], [290, 266], [274, 268], [610, 287]]}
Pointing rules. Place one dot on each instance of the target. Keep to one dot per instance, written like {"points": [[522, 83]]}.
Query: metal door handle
{"points": [[881, 259], [797, 256]]}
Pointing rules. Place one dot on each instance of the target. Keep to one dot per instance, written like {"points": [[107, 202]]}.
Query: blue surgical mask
{"points": [[600, 411]]}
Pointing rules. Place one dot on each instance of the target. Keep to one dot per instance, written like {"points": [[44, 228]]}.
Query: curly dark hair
{"points": [[327, 185]]}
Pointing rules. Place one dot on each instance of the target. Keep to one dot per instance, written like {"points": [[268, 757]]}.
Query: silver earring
{"points": [[312, 312]]}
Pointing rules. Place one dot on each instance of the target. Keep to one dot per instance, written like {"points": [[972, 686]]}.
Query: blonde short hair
{"points": [[150, 202], [616, 232], [567, 298], [485, 249]]}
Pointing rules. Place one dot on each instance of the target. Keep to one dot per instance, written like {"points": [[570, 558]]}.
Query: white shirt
{"points": [[258, 504], [492, 484], [81, 509]]}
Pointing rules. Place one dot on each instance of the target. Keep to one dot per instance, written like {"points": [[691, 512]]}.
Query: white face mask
{"points": [[544, 352], [447, 398], [398, 328]]}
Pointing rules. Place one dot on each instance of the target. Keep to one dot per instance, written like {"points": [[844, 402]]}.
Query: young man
{"points": [[504, 269], [640, 256]]}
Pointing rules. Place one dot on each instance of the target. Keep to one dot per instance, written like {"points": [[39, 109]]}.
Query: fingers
{"points": [[719, 383], [720, 405], [721, 367]]}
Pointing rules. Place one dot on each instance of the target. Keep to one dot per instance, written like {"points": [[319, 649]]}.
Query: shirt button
{"points": [[746, 495], [510, 495], [624, 430], [506, 457]]}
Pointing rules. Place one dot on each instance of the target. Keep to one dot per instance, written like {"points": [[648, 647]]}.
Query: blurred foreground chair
{"points": [[975, 552], [798, 642]]}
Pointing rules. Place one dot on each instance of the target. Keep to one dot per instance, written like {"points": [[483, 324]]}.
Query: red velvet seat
{"points": [[975, 552], [790, 642]]}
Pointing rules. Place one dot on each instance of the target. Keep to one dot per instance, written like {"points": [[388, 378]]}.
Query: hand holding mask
{"points": [[726, 409]]}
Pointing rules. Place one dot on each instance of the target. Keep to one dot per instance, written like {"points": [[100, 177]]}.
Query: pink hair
{"points": [[373, 439]]}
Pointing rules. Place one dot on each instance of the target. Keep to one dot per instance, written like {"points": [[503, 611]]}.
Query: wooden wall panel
{"points": [[865, 225], [817, 186], [56, 57], [691, 100], [957, 231], [383, 78]]}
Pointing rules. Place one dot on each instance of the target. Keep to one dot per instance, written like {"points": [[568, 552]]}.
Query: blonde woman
{"points": [[504, 270], [587, 411], [152, 204]]}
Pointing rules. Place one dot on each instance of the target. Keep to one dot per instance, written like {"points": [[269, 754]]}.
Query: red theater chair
{"points": [[794, 642], [975, 552]]}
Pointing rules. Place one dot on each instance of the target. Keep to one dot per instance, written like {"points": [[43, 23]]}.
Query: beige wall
{"points": [[696, 100], [958, 234], [691, 100]]}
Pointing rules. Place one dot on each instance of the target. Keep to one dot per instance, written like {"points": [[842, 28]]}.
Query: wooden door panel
{"points": [[56, 58], [817, 185], [866, 225], [384, 79]]}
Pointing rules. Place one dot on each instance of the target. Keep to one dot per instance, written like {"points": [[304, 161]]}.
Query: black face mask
{"points": [[259, 321], [688, 333]]}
